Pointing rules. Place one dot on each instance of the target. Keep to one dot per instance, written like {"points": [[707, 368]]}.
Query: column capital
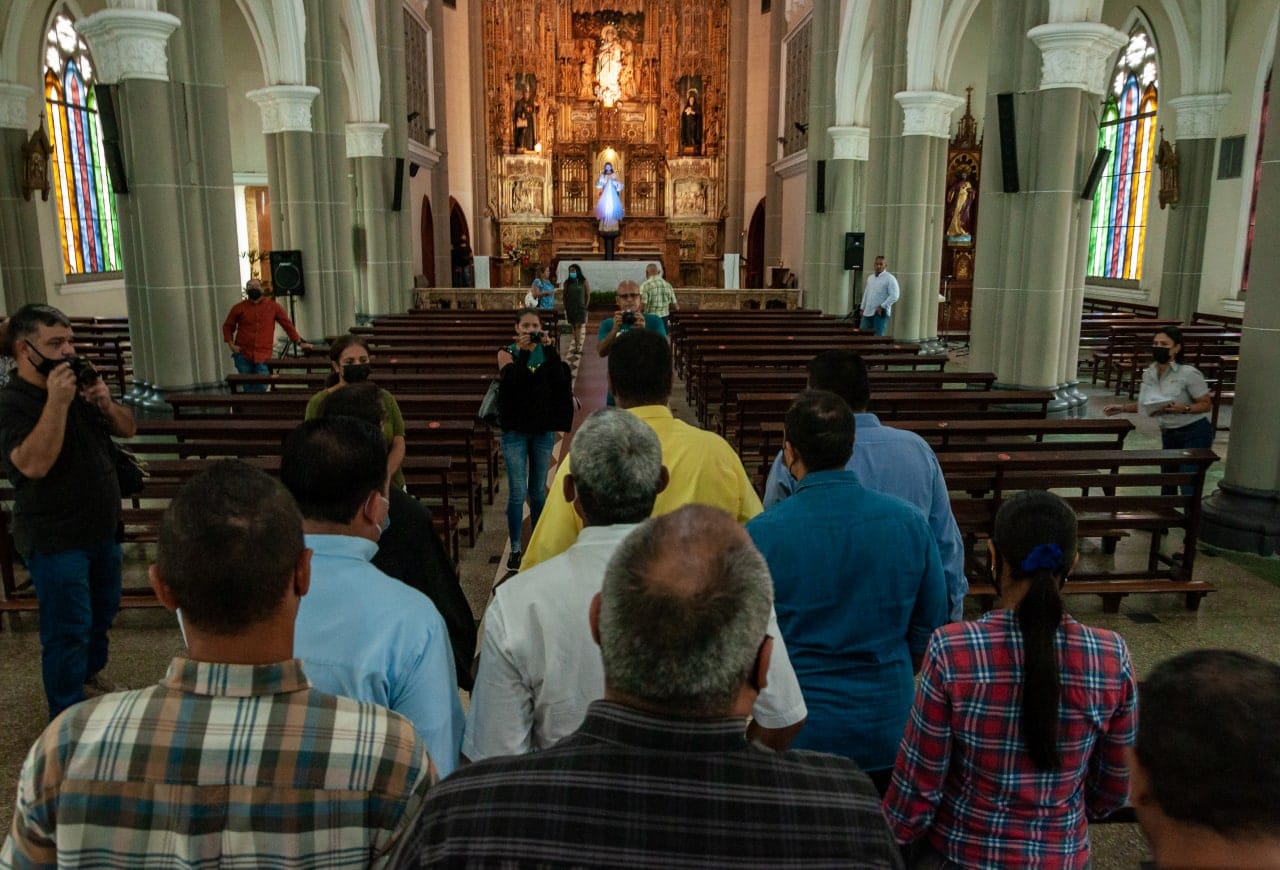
{"points": [[13, 105], [850, 143], [129, 43], [285, 108], [364, 139], [1076, 54], [1197, 115], [927, 113]]}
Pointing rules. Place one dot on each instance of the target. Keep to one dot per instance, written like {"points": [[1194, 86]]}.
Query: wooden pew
{"points": [[1114, 493]]}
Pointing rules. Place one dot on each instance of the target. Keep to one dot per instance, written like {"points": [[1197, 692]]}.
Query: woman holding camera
{"points": [[535, 400], [349, 358]]}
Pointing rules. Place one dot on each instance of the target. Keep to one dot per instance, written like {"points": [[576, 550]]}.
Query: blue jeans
{"points": [[878, 322], [244, 367], [528, 458], [79, 593], [1198, 434]]}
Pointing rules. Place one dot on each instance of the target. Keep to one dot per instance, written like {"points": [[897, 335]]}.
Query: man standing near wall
{"points": [[658, 295], [878, 295]]}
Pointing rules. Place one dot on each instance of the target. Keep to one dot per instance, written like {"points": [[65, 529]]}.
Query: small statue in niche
{"points": [[691, 124], [522, 122], [1167, 160], [962, 197], [35, 164], [609, 64], [587, 59]]}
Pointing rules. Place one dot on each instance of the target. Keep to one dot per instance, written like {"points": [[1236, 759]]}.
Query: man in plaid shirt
{"points": [[232, 759], [658, 295]]}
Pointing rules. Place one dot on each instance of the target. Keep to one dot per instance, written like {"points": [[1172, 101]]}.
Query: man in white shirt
{"points": [[878, 295], [539, 666]]}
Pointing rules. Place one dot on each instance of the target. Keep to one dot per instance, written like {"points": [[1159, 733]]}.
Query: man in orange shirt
{"points": [[250, 332]]}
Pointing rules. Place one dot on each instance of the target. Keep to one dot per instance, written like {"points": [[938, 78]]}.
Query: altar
{"points": [[605, 275]]}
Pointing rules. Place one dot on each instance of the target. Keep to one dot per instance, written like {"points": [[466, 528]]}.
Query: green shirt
{"points": [[392, 422]]}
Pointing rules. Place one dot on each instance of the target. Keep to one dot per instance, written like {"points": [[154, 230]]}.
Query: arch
{"points": [[854, 61], [460, 245], [427, 239], [360, 69], [933, 35], [279, 29], [755, 247]]}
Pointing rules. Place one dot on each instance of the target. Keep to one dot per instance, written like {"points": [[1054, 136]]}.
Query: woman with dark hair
{"points": [[576, 293], [535, 401], [349, 358], [1176, 395], [1020, 721]]}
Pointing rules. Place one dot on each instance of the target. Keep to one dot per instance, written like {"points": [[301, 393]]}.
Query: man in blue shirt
{"points": [[858, 589], [888, 460], [360, 633], [628, 318]]}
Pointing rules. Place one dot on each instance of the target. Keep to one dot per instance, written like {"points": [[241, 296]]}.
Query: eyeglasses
{"points": [[628, 295]]}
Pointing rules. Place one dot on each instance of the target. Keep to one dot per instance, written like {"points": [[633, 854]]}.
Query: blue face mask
{"points": [[386, 521]]}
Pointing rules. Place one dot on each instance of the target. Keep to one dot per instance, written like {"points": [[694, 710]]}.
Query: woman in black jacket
{"points": [[535, 400]]}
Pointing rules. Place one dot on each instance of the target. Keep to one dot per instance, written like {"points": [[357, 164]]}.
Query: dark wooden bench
{"points": [[1114, 493]]}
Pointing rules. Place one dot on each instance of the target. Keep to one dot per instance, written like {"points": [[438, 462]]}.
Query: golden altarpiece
{"points": [[639, 84]]}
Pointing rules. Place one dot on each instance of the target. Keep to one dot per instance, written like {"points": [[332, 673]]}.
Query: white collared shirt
{"points": [[540, 668], [880, 291]]}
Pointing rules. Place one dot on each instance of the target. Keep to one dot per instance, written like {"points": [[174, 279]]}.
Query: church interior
{"points": [[1033, 172]]}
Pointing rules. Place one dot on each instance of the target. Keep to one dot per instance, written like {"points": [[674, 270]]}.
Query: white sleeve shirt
{"points": [[880, 291]]}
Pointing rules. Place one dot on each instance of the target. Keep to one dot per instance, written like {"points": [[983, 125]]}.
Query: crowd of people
{"points": [[678, 674]]}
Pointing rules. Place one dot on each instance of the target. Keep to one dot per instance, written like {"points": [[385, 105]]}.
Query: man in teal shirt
{"points": [[628, 318], [858, 588]]}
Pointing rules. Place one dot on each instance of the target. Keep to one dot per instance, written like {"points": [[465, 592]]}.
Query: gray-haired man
{"points": [[660, 774], [539, 670]]}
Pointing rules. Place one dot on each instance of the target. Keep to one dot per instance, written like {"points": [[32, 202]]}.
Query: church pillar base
{"points": [[1239, 518]]}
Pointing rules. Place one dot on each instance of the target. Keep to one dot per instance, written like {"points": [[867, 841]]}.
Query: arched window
{"points": [[87, 221], [1117, 233]]}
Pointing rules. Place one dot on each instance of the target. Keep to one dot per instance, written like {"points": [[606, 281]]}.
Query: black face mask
{"points": [[46, 364], [1160, 354], [354, 373], [254, 295]]}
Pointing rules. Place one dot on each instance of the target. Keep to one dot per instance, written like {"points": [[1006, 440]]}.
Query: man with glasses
{"points": [[627, 318]]}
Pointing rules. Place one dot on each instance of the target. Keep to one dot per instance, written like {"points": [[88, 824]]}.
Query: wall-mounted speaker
{"points": [[105, 95], [855, 244], [397, 193], [820, 201], [1095, 173], [286, 273], [1008, 143]]}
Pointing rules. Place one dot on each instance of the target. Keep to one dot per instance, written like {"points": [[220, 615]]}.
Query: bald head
{"points": [[684, 607]]}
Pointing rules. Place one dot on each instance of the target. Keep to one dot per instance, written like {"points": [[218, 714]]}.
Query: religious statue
{"points": [[586, 89], [35, 164], [962, 197], [1167, 160], [609, 208], [522, 123], [609, 66], [691, 124]]}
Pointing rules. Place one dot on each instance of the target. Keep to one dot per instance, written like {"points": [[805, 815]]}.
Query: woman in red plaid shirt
{"points": [[1020, 720]]}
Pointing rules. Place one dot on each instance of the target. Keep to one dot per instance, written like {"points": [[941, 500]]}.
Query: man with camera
{"points": [[56, 423], [627, 318]]}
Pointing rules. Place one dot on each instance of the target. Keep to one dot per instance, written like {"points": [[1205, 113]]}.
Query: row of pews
{"points": [[742, 369]]}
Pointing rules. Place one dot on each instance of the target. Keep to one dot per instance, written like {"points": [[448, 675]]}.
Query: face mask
{"points": [[386, 521], [182, 628], [46, 364], [254, 295], [1160, 354], [354, 373]]}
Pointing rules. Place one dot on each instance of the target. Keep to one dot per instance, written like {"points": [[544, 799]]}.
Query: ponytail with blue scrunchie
{"points": [[1043, 556]]}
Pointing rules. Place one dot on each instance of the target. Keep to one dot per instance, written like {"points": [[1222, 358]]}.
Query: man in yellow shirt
{"points": [[704, 468]]}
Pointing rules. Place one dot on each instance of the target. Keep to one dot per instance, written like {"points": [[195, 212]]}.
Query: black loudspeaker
{"points": [[111, 137], [397, 194], [821, 201], [286, 273], [1008, 143], [1095, 173], [854, 246]]}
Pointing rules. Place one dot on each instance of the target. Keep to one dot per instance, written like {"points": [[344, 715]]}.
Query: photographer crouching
{"points": [[56, 423]]}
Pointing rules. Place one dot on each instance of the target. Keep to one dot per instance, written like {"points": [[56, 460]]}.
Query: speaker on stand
{"points": [[287, 280]]}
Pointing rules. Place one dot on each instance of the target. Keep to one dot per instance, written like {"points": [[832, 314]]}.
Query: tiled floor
{"points": [[1244, 613]]}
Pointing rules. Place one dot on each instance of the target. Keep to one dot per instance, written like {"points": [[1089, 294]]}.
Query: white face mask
{"points": [[181, 627]]}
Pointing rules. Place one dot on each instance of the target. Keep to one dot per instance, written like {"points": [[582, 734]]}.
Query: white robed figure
{"points": [[609, 205]]}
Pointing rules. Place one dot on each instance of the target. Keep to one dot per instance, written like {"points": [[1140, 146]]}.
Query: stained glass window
{"points": [[87, 222], [1117, 232]]}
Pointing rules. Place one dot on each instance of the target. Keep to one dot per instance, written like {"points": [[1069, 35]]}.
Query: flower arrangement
{"points": [[519, 255]]}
